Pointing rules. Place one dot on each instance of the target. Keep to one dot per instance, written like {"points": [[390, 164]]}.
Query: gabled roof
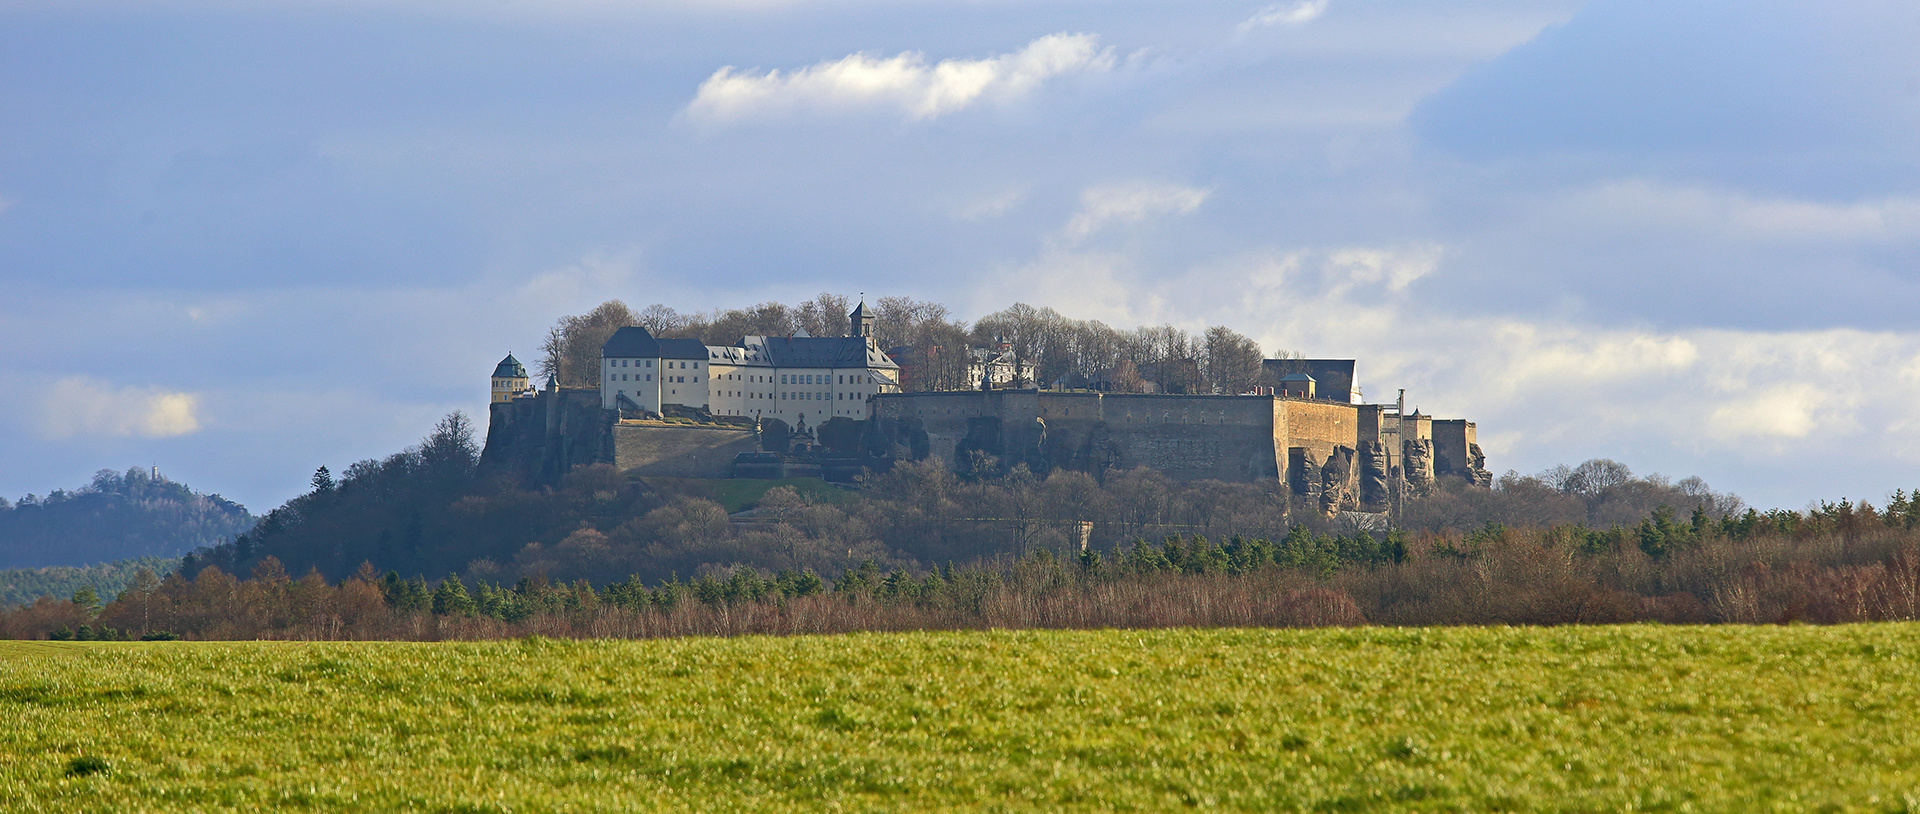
{"points": [[682, 348], [631, 343], [824, 351], [510, 368], [634, 342]]}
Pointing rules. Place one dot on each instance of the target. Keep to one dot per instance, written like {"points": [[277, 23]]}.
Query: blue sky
{"points": [[240, 240]]}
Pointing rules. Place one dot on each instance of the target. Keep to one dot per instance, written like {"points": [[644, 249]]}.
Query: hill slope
{"points": [[116, 517]]}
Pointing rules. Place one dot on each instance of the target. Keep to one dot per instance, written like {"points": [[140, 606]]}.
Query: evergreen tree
{"points": [[87, 599], [451, 598]]}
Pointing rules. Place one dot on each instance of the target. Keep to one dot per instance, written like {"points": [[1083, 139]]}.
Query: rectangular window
{"points": [[649, 363]]}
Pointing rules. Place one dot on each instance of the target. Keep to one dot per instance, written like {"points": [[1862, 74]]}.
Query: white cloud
{"points": [[80, 406], [987, 207], [1395, 268], [1109, 204], [1299, 12], [591, 279], [1646, 205], [1784, 410], [905, 82]]}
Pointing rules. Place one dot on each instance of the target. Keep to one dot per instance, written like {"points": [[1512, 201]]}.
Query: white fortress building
{"points": [[791, 378]]}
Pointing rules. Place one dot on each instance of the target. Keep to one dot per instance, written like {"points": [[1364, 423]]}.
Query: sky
{"points": [[241, 239]]}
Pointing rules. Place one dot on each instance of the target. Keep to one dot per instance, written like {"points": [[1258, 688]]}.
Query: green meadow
{"points": [[1639, 718]]}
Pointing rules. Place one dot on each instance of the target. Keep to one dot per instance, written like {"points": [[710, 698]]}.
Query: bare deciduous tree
{"points": [[571, 353]]}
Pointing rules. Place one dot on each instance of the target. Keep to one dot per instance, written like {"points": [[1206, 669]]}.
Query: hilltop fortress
{"points": [[832, 407]]}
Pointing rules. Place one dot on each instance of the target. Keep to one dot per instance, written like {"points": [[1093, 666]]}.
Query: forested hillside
{"points": [[430, 511], [116, 517], [21, 586]]}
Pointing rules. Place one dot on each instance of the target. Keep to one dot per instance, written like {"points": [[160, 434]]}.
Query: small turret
{"points": [[509, 379], [860, 322]]}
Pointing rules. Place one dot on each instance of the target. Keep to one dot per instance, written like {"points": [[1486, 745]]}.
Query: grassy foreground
{"points": [[1595, 718]]}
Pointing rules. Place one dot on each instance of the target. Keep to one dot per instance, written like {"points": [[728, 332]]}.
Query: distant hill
{"points": [[117, 517]]}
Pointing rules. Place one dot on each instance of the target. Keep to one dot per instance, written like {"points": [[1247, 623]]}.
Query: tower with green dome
{"points": [[509, 379]]}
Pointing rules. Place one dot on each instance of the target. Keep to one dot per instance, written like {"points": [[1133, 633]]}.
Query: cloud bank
{"points": [[1299, 12], [79, 406], [905, 82]]}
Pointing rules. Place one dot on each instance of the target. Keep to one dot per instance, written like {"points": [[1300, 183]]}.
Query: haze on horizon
{"points": [[243, 240]]}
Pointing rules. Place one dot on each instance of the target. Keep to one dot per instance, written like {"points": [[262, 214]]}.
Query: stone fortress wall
{"points": [[1334, 455], [1330, 455]]}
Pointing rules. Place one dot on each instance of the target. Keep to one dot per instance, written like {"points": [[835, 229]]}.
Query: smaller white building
{"points": [[997, 364]]}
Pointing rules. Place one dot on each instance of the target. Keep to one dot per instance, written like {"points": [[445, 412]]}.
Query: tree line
{"points": [[1841, 562], [933, 344]]}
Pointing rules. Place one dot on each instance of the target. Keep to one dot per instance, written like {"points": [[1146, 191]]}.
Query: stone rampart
{"points": [[1338, 456], [537, 440], [1320, 426], [1229, 438], [1456, 452]]}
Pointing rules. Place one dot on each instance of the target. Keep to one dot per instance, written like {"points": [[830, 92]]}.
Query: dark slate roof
{"points": [[824, 351], [510, 368], [1332, 377], [1296, 377], [636, 343], [682, 348], [735, 355], [631, 343], [860, 312]]}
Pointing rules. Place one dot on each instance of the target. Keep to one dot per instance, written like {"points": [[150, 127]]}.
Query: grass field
{"points": [[1575, 719]]}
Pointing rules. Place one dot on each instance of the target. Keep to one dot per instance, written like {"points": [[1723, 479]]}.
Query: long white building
{"points": [[790, 378]]}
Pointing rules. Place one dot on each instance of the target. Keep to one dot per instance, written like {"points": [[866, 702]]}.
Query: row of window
{"points": [[796, 396], [787, 396], [649, 377], [785, 378], [612, 363], [810, 378]]}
